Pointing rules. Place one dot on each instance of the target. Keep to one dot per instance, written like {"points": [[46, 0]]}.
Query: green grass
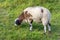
{"points": [[11, 9]]}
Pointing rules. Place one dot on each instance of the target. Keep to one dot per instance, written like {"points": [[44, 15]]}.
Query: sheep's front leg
{"points": [[44, 28], [30, 26], [30, 23]]}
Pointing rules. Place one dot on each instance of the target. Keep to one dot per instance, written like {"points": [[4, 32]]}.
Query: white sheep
{"points": [[36, 14]]}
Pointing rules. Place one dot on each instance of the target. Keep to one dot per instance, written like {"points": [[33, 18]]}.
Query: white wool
{"points": [[37, 14]]}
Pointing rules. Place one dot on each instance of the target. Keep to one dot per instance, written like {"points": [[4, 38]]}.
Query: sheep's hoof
{"points": [[49, 32]]}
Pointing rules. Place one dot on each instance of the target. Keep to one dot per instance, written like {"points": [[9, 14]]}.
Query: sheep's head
{"points": [[23, 16], [19, 20]]}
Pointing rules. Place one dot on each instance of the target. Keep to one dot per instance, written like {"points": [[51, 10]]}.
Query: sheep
{"points": [[37, 14]]}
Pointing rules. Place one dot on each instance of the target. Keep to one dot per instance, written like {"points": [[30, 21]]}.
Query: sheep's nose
{"points": [[16, 22]]}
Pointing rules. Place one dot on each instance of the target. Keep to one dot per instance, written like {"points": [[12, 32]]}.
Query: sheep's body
{"points": [[39, 14]]}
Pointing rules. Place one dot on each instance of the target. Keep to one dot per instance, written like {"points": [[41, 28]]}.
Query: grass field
{"points": [[11, 9]]}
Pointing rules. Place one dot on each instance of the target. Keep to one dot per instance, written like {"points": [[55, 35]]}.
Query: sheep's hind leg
{"points": [[49, 27], [44, 22]]}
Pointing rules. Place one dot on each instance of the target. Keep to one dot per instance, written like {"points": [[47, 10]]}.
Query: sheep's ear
{"points": [[25, 14]]}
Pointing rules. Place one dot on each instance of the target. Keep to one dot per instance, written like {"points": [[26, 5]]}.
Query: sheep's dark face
{"points": [[23, 16], [17, 22]]}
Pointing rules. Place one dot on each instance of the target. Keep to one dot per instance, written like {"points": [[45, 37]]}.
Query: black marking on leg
{"points": [[30, 25], [49, 24], [31, 21]]}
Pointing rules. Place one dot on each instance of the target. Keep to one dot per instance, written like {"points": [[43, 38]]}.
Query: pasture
{"points": [[11, 9]]}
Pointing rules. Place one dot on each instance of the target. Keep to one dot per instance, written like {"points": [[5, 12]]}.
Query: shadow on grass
{"points": [[55, 28], [35, 26]]}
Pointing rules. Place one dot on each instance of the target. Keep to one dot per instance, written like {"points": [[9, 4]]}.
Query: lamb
{"points": [[36, 14]]}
